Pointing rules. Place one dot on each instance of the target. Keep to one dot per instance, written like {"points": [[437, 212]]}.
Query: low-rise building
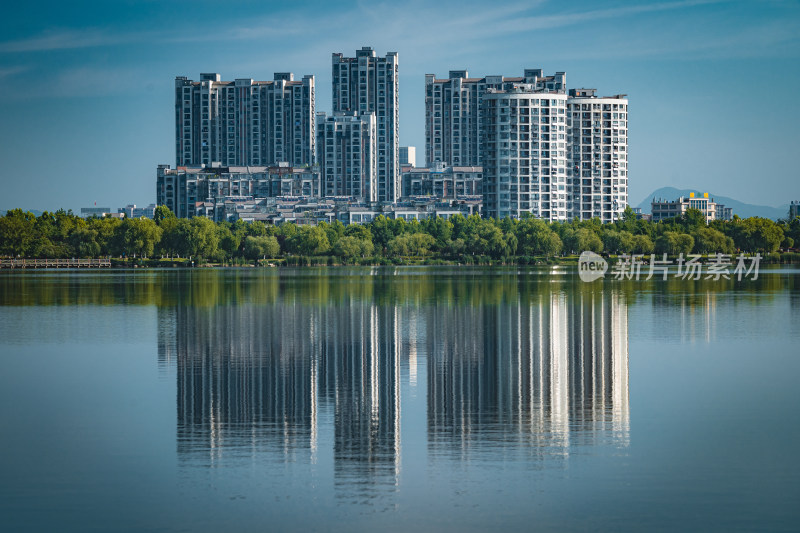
{"points": [[89, 212], [183, 188], [275, 195], [131, 211], [794, 210], [357, 214], [424, 208], [442, 181], [662, 209], [724, 213]]}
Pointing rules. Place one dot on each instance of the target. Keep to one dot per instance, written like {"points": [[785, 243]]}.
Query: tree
{"points": [[106, 229], [84, 242], [257, 228], [488, 239], [309, 240], [440, 229], [617, 242], [465, 227], [456, 247], [756, 234], [64, 224], [359, 231], [17, 233], [411, 244], [202, 238], [673, 243], [791, 230], [708, 240], [333, 230], [685, 243], [629, 215], [162, 212], [175, 237], [693, 219], [137, 236], [583, 239], [535, 237], [399, 246], [229, 242], [261, 246], [382, 231], [642, 244], [350, 247]]}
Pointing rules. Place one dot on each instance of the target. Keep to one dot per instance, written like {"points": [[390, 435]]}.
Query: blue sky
{"points": [[87, 105]]}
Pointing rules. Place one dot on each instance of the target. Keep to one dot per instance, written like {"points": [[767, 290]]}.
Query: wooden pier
{"points": [[55, 263]]}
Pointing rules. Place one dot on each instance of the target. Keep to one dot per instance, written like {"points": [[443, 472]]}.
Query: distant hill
{"points": [[739, 208], [38, 213]]}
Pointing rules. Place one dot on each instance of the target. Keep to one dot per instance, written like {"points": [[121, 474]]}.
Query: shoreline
{"points": [[775, 258]]}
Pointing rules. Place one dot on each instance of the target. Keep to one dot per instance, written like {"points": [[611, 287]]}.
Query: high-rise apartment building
{"points": [[597, 149], [370, 84], [244, 122], [525, 153], [453, 130], [346, 150]]}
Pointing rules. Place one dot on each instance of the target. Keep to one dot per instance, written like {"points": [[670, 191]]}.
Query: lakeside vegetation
{"points": [[464, 240]]}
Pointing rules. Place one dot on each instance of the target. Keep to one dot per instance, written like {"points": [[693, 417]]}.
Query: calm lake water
{"points": [[397, 399]]}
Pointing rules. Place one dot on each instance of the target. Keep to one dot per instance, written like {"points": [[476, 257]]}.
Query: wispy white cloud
{"points": [[80, 81], [12, 71], [427, 35], [422, 21], [68, 39], [545, 22]]}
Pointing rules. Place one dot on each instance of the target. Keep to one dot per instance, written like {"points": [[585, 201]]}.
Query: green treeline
{"points": [[462, 239]]}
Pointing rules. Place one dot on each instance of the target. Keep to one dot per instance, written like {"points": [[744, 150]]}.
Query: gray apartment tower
{"points": [[244, 122], [370, 84], [346, 154], [453, 130]]}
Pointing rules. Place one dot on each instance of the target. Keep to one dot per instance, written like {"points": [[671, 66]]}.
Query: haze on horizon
{"points": [[86, 88]]}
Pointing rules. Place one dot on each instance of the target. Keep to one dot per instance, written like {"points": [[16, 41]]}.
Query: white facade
{"points": [[370, 84], [525, 153], [597, 144], [453, 130], [408, 156], [347, 148], [663, 209], [244, 122]]}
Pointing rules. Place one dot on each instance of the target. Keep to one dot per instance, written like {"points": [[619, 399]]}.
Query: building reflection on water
{"points": [[541, 375], [255, 378]]}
